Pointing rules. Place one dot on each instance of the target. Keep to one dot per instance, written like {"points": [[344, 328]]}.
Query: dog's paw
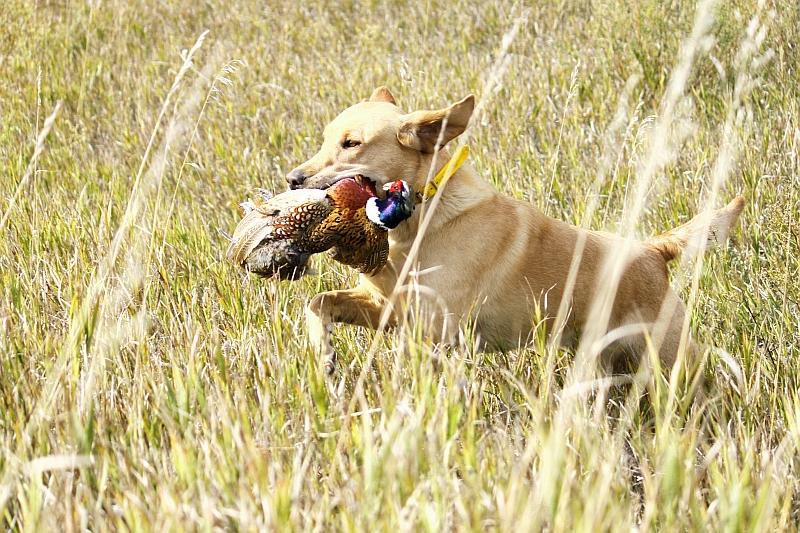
{"points": [[327, 353], [320, 336], [329, 362]]}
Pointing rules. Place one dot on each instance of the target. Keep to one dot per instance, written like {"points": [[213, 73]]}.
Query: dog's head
{"points": [[378, 140]]}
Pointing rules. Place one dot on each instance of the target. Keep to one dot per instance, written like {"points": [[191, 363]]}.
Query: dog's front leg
{"points": [[352, 306]]}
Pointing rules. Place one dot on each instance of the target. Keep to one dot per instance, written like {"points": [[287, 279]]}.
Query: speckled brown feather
{"points": [[362, 245], [285, 216]]}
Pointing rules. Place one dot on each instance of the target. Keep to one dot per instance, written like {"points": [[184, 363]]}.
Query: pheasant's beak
{"points": [[386, 188]]}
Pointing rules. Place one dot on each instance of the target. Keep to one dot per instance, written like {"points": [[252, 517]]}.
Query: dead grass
{"points": [[144, 384]]}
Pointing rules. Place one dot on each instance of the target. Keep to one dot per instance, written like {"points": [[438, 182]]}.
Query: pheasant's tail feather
{"points": [[249, 233], [705, 231]]}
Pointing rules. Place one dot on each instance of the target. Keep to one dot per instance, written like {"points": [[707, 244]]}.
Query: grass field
{"points": [[145, 384]]}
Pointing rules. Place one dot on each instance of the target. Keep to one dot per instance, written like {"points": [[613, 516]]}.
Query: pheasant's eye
{"points": [[350, 143]]}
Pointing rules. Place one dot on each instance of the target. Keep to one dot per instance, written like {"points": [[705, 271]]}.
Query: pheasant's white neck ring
{"points": [[374, 212]]}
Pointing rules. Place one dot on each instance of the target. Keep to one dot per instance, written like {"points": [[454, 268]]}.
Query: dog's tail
{"points": [[706, 230]]}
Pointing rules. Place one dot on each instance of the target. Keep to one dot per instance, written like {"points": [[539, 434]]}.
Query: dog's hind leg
{"points": [[671, 343], [355, 306]]}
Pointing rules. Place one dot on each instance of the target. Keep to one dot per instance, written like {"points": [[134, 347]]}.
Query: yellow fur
{"points": [[484, 253]]}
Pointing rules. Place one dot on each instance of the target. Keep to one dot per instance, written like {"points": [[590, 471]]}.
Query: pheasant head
{"points": [[395, 208]]}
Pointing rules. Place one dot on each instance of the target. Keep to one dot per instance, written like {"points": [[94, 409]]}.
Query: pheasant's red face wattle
{"points": [[396, 187]]}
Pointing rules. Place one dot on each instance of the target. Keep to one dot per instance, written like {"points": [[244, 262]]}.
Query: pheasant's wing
{"points": [[251, 231], [362, 245], [301, 224], [335, 227], [279, 217]]}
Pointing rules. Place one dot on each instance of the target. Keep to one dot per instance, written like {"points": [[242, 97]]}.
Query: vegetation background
{"points": [[145, 384]]}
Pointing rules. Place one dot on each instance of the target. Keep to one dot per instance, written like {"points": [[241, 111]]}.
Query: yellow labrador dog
{"points": [[485, 256]]}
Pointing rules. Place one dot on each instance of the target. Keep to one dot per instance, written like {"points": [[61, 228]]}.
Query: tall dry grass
{"points": [[145, 384]]}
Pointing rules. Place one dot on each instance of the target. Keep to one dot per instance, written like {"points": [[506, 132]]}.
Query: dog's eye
{"points": [[350, 143]]}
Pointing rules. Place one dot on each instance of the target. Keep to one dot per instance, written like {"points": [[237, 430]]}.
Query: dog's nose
{"points": [[296, 178]]}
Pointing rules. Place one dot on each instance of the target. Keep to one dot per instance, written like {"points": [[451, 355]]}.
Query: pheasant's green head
{"points": [[397, 207]]}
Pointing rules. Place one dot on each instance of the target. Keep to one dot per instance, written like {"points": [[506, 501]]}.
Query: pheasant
{"points": [[279, 235]]}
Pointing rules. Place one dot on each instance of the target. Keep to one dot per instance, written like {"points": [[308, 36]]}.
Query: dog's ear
{"points": [[382, 94], [421, 130]]}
